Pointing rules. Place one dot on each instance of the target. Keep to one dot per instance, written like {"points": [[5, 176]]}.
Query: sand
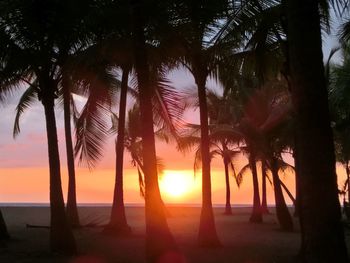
{"points": [[243, 241]]}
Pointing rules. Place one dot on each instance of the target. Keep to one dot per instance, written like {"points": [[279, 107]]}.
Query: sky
{"points": [[24, 173]]}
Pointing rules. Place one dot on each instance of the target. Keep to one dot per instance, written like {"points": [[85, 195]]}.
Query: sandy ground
{"points": [[243, 242]]}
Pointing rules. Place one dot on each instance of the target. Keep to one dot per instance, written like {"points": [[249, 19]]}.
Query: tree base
{"points": [[207, 236]]}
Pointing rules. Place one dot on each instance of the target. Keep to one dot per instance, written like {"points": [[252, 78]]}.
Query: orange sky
{"points": [[24, 165]]}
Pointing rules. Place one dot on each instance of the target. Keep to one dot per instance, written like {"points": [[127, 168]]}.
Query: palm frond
{"points": [[244, 169], [114, 120], [168, 107], [160, 167], [234, 174], [92, 129], [268, 177], [339, 6], [141, 182], [197, 160], [285, 167], [186, 144], [28, 98]]}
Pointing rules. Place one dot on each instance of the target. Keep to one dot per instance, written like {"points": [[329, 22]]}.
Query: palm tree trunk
{"points": [[61, 235], [348, 179], [72, 209], [291, 197], [283, 215], [4, 235], [297, 176], [159, 240], [207, 235], [256, 216], [118, 223], [140, 165], [264, 208], [228, 209], [320, 208]]}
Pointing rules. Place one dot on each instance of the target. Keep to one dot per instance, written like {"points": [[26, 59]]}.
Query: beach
{"points": [[242, 241]]}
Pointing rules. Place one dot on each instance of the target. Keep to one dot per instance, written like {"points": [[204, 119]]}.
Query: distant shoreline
{"points": [[14, 204]]}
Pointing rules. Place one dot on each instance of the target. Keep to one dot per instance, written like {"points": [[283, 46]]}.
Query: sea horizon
{"points": [[46, 204]]}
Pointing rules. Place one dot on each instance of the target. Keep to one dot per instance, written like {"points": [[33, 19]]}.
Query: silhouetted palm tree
{"points": [[222, 136], [323, 241], [196, 26], [159, 240], [28, 40], [338, 76], [264, 114], [264, 176]]}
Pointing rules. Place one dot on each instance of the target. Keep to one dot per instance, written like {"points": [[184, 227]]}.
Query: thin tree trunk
{"points": [[297, 176], [4, 235], [118, 223], [264, 208], [61, 235], [285, 188], [348, 179], [72, 209], [160, 243], [320, 208], [283, 215], [228, 209], [256, 216], [207, 235]]}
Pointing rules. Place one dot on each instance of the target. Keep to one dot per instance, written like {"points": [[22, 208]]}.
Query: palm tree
{"points": [[159, 240], [196, 22], [74, 54], [264, 176], [116, 47], [338, 76], [74, 38], [262, 124], [323, 241], [133, 143], [4, 235], [221, 135], [222, 138], [28, 38], [71, 209], [118, 222]]}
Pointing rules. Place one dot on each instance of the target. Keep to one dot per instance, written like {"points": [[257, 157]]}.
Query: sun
{"points": [[176, 183]]}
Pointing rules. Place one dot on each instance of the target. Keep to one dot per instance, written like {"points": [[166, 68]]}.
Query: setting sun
{"points": [[176, 183]]}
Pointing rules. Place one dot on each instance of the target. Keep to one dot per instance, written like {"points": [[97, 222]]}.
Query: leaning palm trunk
{"points": [[207, 235], [256, 216], [118, 224], [228, 209], [61, 236], [264, 208], [72, 209], [283, 215], [4, 235], [159, 240], [320, 209]]}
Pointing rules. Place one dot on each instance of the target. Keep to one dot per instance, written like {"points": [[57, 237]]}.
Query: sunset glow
{"points": [[176, 183]]}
